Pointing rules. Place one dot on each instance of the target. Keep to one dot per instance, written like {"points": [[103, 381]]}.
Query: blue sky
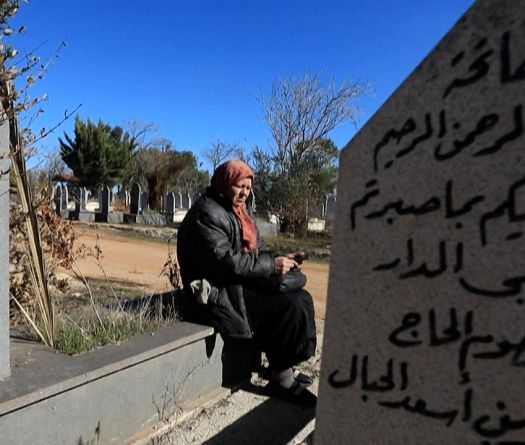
{"points": [[195, 67]]}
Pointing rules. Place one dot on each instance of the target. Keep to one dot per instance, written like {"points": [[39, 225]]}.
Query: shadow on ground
{"points": [[272, 422]]}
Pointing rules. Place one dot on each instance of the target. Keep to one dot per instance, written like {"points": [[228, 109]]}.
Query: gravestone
{"points": [[186, 201], [134, 205], [64, 198], [81, 199], [144, 201], [104, 198], [425, 326], [57, 198], [4, 246], [170, 203]]}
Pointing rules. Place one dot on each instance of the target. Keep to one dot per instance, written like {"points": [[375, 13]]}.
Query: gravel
{"points": [[249, 416]]}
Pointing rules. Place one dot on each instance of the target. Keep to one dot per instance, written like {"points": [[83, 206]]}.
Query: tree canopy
{"points": [[98, 154], [300, 167], [292, 194], [158, 165]]}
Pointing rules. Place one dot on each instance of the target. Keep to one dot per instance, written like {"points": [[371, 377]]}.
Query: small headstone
{"points": [[186, 201], [170, 203], [65, 197], [144, 201], [425, 327], [57, 198], [4, 246], [76, 197], [134, 205], [83, 198], [105, 196]]}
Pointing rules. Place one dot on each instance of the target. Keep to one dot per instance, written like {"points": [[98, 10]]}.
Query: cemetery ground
{"points": [[132, 259]]}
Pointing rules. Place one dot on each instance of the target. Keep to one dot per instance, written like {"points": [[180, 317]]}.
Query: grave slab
{"points": [[425, 325]]}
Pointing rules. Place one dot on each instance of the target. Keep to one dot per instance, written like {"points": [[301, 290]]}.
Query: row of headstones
{"points": [[170, 202], [136, 199]]}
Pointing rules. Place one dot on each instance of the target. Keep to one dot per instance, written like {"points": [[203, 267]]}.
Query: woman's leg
{"points": [[283, 326]]}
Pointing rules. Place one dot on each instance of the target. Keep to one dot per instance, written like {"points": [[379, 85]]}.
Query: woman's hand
{"points": [[283, 264], [299, 257]]}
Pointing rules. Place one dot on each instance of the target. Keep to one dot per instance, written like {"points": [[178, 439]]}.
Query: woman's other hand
{"points": [[283, 264], [298, 257]]}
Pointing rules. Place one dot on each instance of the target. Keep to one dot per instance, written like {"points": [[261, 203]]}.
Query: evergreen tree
{"points": [[97, 154]]}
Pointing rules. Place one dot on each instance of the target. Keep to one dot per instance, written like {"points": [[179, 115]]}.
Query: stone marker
{"points": [[83, 198], [178, 200], [64, 198], [135, 199], [80, 199], [186, 201], [144, 201], [425, 324], [104, 199], [57, 198], [4, 246], [170, 203]]}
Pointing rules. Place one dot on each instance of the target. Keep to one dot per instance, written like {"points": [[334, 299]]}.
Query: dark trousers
{"points": [[283, 326]]}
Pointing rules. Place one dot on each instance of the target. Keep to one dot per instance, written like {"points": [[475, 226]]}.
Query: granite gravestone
{"points": [[170, 203], [64, 198], [425, 327], [134, 206], [144, 202], [186, 201], [104, 199], [57, 198], [4, 246], [82, 198]]}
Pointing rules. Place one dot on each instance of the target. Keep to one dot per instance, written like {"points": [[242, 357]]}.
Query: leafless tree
{"points": [[140, 132], [301, 110], [218, 152]]}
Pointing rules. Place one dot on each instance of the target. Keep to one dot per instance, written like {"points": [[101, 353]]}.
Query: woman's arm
{"points": [[215, 235]]}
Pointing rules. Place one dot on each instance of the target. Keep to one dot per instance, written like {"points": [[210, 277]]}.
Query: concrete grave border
{"points": [[110, 394]]}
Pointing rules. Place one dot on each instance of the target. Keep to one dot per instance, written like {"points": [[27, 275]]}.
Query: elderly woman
{"points": [[226, 270]]}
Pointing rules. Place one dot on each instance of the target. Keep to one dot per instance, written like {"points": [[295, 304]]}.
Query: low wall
{"points": [[107, 395]]}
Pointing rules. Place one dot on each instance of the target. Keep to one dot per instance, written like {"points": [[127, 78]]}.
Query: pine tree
{"points": [[97, 154]]}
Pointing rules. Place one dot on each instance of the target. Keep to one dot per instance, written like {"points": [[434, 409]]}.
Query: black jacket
{"points": [[209, 246]]}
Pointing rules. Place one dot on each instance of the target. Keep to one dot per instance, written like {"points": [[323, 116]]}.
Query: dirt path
{"points": [[138, 263]]}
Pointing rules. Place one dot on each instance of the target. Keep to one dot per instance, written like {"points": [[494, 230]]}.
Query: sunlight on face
{"points": [[239, 192]]}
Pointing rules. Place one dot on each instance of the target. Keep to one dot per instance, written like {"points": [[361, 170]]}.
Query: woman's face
{"points": [[238, 192]]}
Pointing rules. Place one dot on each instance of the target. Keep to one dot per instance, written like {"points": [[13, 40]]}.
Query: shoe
{"points": [[297, 394], [302, 378]]}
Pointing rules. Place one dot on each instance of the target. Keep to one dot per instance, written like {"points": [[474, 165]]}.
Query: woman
{"points": [[225, 267]]}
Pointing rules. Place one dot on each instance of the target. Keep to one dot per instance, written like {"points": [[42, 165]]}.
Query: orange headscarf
{"points": [[225, 175]]}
